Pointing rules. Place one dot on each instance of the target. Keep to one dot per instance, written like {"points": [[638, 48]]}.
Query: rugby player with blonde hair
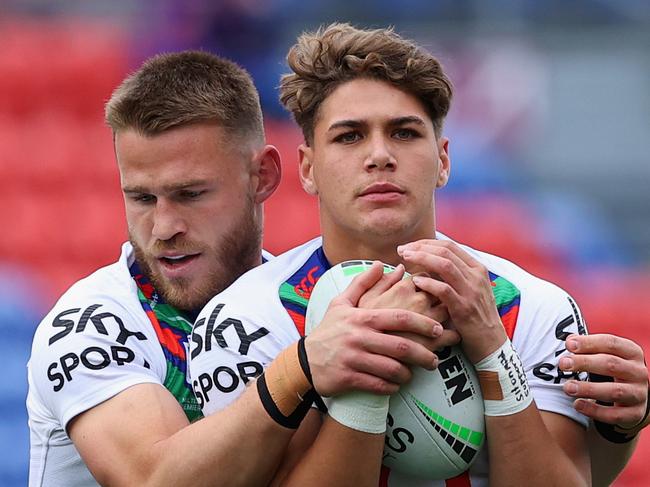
{"points": [[108, 399]]}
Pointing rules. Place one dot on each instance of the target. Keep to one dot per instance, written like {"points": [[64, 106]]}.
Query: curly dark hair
{"points": [[332, 55]]}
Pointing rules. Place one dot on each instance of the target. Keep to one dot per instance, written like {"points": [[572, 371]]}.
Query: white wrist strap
{"points": [[360, 411], [503, 382]]}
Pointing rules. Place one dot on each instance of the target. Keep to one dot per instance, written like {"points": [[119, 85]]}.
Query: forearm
{"points": [[339, 456], [607, 459], [238, 446], [522, 451]]}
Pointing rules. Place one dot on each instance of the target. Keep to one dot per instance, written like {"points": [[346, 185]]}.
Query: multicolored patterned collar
{"points": [[296, 291], [172, 328]]}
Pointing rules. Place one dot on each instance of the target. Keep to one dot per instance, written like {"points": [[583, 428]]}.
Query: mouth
{"points": [[176, 262], [382, 192]]}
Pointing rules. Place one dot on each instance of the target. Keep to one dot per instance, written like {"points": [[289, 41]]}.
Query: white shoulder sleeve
{"points": [[232, 342], [542, 329], [88, 349]]}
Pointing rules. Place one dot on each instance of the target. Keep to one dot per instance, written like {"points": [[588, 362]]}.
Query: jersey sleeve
{"points": [[540, 340], [232, 342], [86, 351]]}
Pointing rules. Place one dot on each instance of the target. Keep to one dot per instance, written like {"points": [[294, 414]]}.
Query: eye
{"points": [[143, 198], [348, 137], [405, 134], [190, 195]]}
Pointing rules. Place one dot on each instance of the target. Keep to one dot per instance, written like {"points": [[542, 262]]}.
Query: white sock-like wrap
{"points": [[503, 382], [361, 411]]}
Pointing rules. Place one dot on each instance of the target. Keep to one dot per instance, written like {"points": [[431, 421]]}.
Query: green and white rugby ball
{"points": [[435, 424]]}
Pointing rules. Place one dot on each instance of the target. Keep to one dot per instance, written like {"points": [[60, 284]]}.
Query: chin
{"points": [[186, 299], [388, 227]]}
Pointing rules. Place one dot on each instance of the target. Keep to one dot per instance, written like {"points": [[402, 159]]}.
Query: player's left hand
{"points": [[463, 286], [612, 356]]}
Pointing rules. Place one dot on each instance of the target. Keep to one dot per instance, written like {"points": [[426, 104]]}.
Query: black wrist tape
{"points": [[285, 388], [302, 358], [295, 418]]}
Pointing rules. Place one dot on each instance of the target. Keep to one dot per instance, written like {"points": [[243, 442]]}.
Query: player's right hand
{"points": [[393, 291], [353, 348]]}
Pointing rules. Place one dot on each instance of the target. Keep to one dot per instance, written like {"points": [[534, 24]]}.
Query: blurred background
{"points": [[550, 144]]}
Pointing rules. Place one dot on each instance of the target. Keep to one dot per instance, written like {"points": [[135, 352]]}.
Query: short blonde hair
{"points": [[182, 88]]}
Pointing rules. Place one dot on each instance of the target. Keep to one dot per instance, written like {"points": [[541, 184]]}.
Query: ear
{"points": [[266, 171], [306, 169], [444, 162]]}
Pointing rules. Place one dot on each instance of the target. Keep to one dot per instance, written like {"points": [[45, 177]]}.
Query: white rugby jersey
{"points": [[242, 329], [96, 342]]}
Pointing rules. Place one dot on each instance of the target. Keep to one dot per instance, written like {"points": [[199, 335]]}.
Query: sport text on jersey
{"points": [[92, 357], [549, 371], [225, 379]]}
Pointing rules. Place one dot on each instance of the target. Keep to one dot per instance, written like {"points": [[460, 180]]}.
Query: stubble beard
{"points": [[239, 251]]}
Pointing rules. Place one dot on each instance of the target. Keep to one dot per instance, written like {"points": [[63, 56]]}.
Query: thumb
{"points": [[362, 283]]}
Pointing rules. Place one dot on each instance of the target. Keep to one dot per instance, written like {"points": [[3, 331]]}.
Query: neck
{"points": [[340, 246]]}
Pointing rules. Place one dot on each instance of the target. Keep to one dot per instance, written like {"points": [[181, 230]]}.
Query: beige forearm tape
{"points": [[285, 387], [286, 381]]}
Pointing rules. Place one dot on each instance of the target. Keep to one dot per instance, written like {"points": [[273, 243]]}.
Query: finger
{"points": [[389, 279], [396, 320], [362, 283], [402, 349], [434, 301], [406, 295], [611, 365], [440, 289], [441, 263], [386, 282], [446, 339], [604, 343], [392, 291], [371, 383], [623, 416], [382, 367], [612, 392], [428, 245], [439, 313]]}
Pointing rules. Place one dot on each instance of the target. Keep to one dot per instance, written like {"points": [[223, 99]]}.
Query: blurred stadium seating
{"points": [[59, 194]]}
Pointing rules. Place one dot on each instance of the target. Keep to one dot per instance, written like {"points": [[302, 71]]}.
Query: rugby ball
{"points": [[435, 424]]}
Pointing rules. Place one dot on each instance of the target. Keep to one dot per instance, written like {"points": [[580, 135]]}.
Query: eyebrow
{"points": [[393, 122], [346, 124], [170, 188]]}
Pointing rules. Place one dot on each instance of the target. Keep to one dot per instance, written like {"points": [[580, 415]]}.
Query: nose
{"points": [[167, 221], [380, 155]]}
